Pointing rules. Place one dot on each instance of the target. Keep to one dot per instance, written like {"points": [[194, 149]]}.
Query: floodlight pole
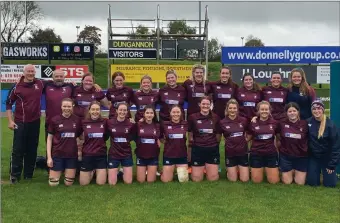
{"points": [[158, 37], [206, 40], [109, 32]]}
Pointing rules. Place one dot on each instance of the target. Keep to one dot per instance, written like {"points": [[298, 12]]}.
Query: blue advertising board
{"points": [[280, 54]]}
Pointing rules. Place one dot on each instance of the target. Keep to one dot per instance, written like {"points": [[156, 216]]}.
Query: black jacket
{"points": [[328, 146]]}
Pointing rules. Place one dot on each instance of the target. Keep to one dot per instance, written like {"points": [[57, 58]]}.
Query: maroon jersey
{"points": [[95, 136], [248, 100], [194, 94], [147, 136], [277, 99], [117, 96], [221, 94], [263, 133], [175, 139], [121, 134], [65, 131], [204, 129], [54, 94], [82, 99], [168, 97], [141, 99], [234, 135], [27, 99], [294, 138]]}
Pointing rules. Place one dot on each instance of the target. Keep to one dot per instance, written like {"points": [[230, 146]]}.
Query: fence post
{"points": [[334, 97]]}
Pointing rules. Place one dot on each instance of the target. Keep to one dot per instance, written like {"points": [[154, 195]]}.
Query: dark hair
{"points": [[230, 80], [122, 103], [292, 105], [211, 114], [88, 74], [88, 116], [180, 108], [256, 86], [117, 74], [155, 118]]}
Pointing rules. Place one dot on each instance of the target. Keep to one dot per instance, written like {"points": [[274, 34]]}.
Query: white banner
{"points": [[12, 73], [323, 74]]}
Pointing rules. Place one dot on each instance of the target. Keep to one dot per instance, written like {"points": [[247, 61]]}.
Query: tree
{"points": [[14, 23], [44, 36], [253, 41], [180, 27], [90, 34], [214, 49], [140, 29]]}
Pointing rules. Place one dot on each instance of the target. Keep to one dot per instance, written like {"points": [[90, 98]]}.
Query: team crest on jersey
{"points": [[141, 130], [36, 87], [112, 96], [199, 121], [179, 95], [51, 89], [218, 87], [124, 95], [230, 89], [61, 125], [92, 97], [78, 95], [301, 129], [191, 85], [269, 92], [257, 127], [227, 127], [74, 125], [101, 126], [282, 93], [126, 130], [271, 127], [169, 127], [286, 126], [182, 127], [165, 93], [242, 95], [88, 126], [301, 94], [151, 99], [154, 132], [64, 90], [241, 126], [255, 96], [140, 98], [113, 130]]}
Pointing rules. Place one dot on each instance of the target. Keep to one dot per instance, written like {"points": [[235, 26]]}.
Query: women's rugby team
{"points": [[265, 130]]}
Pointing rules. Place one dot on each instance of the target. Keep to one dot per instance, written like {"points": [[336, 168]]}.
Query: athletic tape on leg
{"points": [[53, 181], [183, 175]]}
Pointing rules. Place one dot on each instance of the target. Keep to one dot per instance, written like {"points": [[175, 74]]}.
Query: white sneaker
{"points": [[158, 174]]}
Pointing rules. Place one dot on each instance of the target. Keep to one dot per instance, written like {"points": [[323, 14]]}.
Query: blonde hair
{"points": [[145, 77], [263, 103], [304, 88], [322, 126], [230, 102], [192, 78], [171, 71]]}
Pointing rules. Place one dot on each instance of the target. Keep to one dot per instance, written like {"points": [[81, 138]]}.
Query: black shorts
{"points": [[90, 163], [174, 161], [147, 162], [270, 161], [205, 155], [60, 164], [288, 163], [237, 161], [114, 163]]}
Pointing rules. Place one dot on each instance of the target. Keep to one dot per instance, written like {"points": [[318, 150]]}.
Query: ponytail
{"points": [[322, 126]]}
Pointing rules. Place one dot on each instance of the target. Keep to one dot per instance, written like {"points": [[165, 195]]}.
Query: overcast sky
{"points": [[276, 23]]}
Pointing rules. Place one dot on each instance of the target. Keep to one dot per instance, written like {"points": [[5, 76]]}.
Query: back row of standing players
{"points": [[247, 96]]}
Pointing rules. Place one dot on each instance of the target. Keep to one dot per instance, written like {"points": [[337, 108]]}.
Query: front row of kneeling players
{"points": [[71, 139]]}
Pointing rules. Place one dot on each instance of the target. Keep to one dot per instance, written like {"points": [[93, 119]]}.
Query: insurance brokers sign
{"points": [[132, 49]]}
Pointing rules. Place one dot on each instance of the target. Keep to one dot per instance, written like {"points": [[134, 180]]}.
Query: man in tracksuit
{"points": [[323, 147], [26, 124]]}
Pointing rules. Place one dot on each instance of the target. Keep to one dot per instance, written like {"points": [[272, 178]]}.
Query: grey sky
{"points": [[276, 23]]}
